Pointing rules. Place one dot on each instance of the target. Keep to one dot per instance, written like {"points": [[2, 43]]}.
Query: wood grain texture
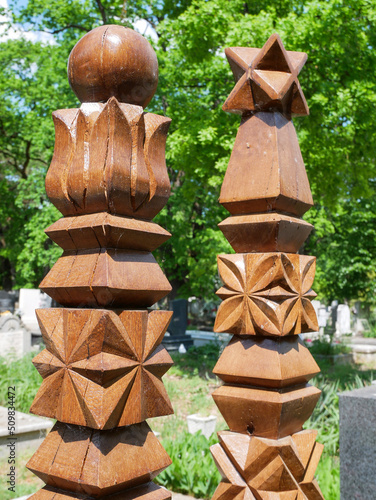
{"points": [[266, 294], [102, 369], [148, 491], [266, 170], [266, 79], [254, 467], [106, 278], [91, 462], [270, 232], [112, 60], [264, 412], [105, 230], [109, 158], [288, 362]]}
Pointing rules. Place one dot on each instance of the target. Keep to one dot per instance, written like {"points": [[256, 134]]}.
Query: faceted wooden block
{"points": [[266, 170], [260, 468], [270, 232], [148, 491], [105, 230], [102, 369], [106, 278], [266, 294], [266, 362], [109, 158], [98, 463], [266, 413], [266, 79]]}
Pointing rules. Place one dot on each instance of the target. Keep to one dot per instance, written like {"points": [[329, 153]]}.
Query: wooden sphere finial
{"points": [[113, 61]]}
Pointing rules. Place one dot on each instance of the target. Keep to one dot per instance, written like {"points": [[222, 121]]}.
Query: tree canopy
{"points": [[337, 140]]}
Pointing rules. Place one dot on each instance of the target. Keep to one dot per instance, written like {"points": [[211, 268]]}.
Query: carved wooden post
{"points": [[103, 361], [267, 289]]}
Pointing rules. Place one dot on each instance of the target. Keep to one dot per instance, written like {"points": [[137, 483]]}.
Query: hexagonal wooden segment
{"points": [[102, 369], [270, 232], [105, 230], [266, 413], [244, 360], [266, 170], [106, 278], [98, 463]]}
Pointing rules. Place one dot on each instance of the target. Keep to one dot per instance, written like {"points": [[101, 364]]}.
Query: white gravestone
{"points": [[31, 299], [343, 326]]}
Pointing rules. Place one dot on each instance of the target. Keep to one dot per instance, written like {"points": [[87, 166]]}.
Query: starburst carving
{"points": [[259, 468], [267, 79], [267, 294], [102, 369]]}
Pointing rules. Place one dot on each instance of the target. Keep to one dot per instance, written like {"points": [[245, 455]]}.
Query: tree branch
{"points": [[102, 11], [67, 27]]}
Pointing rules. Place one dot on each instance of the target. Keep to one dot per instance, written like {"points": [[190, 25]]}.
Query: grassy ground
{"points": [[190, 384]]}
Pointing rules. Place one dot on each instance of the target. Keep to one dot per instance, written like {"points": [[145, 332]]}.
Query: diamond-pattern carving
{"points": [[266, 294], [102, 369], [254, 467]]}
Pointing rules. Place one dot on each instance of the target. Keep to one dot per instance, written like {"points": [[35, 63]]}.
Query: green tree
{"points": [[337, 139]]}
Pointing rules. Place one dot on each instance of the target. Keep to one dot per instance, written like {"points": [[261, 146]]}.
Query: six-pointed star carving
{"points": [[102, 369], [267, 79], [266, 294]]}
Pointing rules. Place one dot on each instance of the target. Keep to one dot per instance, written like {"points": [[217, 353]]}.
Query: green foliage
{"points": [[21, 374], [327, 347], [196, 361], [327, 475], [192, 471], [337, 139]]}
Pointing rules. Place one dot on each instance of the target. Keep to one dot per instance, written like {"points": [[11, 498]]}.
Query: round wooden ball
{"points": [[113, 61]]}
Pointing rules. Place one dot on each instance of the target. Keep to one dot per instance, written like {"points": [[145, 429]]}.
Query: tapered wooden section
{"points": [[271, 232], [264, 412], [243, 362], [266, 170], [267, 289], [106, 278], [103, 363], [105, 230], [91, 462]]}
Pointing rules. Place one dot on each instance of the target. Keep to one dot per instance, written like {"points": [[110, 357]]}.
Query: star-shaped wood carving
{"points": [[102, 369], [258, 468], [266, 294], [267, 79]]}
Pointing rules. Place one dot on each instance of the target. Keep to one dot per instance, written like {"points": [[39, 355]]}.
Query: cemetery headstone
{"points": [[30, 300], [178, 326], [357, 433], [343, 325]]}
